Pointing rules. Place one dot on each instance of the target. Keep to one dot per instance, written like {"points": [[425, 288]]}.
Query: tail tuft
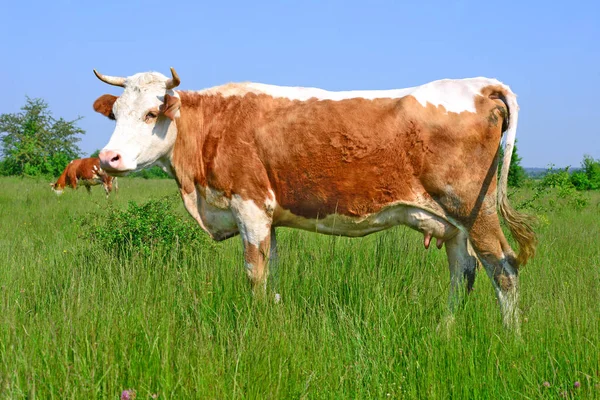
{"points": [[520, 226]]}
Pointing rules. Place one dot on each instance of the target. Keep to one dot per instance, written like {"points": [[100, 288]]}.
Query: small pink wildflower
{"points": [[128, 394], [576, 385], [546, 384]]}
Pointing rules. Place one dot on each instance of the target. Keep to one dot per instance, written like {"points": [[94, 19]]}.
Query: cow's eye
{"points": [[150, 116]]}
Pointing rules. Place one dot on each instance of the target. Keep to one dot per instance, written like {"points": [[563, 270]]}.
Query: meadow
{"points": [[358, 317]]}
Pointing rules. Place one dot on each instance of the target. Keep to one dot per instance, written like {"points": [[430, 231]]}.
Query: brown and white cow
{"points": [[87, 172], [252, 157]]}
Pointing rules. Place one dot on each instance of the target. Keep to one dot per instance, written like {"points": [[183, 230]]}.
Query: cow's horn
{"points": [[174, 81], [111, 80]]}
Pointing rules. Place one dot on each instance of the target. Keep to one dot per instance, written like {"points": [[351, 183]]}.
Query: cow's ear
{"points": [[104, 105], [170, 106]]}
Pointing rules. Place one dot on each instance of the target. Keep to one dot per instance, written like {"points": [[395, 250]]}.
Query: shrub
{"points": [[151, 173], [145, 227], [580, 180], [556, 190], [591, 168]]}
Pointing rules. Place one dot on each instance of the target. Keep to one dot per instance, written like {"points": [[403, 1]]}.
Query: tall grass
{"points": [[358, 318]]}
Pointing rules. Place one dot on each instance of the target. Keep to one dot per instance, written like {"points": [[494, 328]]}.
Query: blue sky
{"points": [[548, 52]]}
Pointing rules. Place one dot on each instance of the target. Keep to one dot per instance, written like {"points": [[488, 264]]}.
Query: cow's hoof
{"points": [[445, 327]]}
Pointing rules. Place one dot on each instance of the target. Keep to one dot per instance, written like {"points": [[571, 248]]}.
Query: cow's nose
{"points": [[111, 160]]}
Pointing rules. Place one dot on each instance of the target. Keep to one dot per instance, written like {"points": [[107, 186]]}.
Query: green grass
{"points": [[358, 319]]}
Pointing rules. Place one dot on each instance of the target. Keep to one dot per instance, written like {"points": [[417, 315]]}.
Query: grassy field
{"points": [[358, 317]]}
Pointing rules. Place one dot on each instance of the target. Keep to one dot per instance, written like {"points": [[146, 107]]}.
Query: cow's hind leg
{"points": [[500, 264], [254, 224]]}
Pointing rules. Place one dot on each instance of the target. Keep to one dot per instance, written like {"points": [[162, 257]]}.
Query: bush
{"points": [[591, 168], [151, 173], [580, 180], [556, 190], [147, 227]]}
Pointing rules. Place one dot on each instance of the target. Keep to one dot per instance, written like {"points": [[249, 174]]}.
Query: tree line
{"points": [[34, 143]]}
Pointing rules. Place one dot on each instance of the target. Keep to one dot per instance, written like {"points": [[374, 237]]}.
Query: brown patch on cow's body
{"points": [[86, 171], [350, 157]]}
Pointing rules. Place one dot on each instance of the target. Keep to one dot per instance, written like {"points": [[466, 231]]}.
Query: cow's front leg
{"points": [[462, 265], [274, 266], [254, 223]]}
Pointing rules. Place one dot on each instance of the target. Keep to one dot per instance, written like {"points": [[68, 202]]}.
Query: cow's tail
{"points": [[520, 225]]}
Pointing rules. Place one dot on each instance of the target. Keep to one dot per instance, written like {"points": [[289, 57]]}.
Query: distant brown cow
{"points": [[85, 171]]}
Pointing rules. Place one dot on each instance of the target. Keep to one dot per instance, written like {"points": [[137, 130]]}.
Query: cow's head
{"points": [[144, 113], [56, 188]]}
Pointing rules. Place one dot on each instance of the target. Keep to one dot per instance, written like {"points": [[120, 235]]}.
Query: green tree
{"points": [[516, 173], [33, 142], [588, 178]]}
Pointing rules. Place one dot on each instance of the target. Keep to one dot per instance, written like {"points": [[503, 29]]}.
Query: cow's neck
{"points": [[197, 114], [62, 179], [186, 160]]}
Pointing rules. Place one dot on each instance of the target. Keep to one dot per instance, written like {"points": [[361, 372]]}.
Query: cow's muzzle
{"points": [[112, 162]]}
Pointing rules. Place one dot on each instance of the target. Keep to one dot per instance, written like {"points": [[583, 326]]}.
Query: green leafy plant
{"points": [[34, 143], [150, 173], [555, 191], [145, 227], [588, 178]]}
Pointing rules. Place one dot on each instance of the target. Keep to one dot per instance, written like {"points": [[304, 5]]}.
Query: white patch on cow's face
{"points": [[455, 95], [57, 191], [138, 138]]}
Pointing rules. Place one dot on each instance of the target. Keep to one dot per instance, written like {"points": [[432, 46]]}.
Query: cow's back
{"points": [[88, 168]]}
